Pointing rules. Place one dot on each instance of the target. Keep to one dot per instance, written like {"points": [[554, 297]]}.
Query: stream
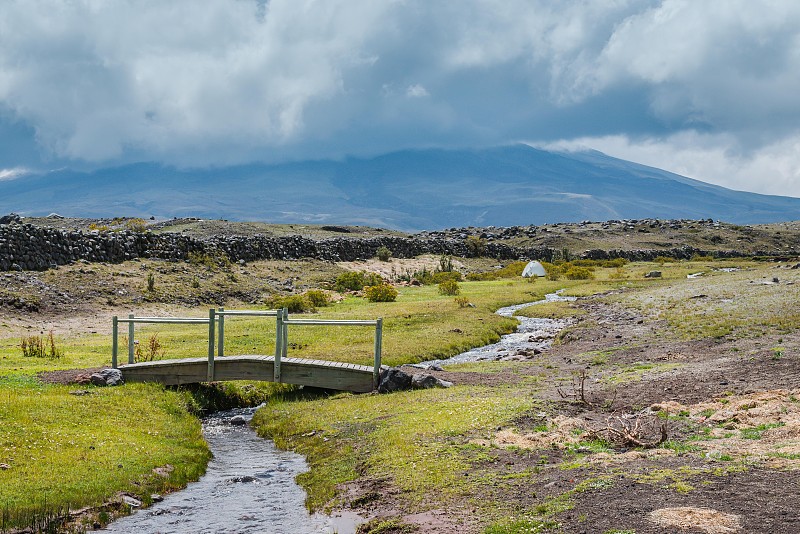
{"points": [[249, 484], [533, 335]]}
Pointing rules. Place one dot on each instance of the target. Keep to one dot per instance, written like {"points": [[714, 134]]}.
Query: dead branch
{"points": [[578, 393], [631, 430]]}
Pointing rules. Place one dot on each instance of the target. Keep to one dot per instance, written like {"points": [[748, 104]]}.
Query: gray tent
{"points": [[533, 268]]}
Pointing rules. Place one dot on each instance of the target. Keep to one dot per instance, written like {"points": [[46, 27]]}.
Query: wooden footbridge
{"points": [[277, 367]]}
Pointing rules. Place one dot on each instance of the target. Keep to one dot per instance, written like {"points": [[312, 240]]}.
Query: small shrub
{"points": [[444, 276], [553, 271], [356, 281], [317, 298], [151, 282], [218, 260], [39, 347], [445, 264], [293, 303], [372, 279], [349, 281], [424, 277], [33, 347], [153, 351], [98, 227], [384, 254], [661, 260], [578, 273], [449, 287], [512, 270], [462, 302], [476, 246], [136, 225], [195, 282], [380, 293]]}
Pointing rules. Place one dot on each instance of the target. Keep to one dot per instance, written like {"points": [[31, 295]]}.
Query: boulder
{"points": [[653, 274], [107, 377], [394, 380], [428, 381]]}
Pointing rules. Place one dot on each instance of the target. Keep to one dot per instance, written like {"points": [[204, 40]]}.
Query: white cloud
{"points": [[416, 91], [11, 174], [773, 169]]}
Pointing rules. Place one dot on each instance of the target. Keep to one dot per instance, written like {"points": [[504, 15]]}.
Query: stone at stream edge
{"points": [[397, 380], [394, 380], [428, 381], [107, 377]]}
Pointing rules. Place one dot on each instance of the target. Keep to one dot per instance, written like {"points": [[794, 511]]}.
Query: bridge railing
{"points": [[216, 321], [132, 320], [377, 323]]}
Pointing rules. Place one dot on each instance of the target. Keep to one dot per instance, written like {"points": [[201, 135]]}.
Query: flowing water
{"points": [[249, 484], [533, 335], [248, 487]]}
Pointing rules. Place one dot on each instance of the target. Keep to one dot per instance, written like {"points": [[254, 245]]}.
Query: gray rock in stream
{"points": [[238, 420]]}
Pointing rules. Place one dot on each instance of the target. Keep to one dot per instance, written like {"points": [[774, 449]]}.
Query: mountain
{"points": [[406, 190]]}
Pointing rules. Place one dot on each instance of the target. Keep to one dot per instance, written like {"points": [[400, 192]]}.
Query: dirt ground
{"points": [[730, 407]]}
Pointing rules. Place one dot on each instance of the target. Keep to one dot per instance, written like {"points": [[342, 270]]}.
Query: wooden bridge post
{"points": [[131, 334], [114, 337], [278, 345], [376, 373], [221, 333], [285, 332], [211, 328]]}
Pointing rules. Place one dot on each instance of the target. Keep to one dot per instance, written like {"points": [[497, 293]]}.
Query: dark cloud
{"points": [[221, 82]]}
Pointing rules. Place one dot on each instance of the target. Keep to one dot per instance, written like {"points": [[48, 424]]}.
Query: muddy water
{"points": [[248, 487], [532, 334]]}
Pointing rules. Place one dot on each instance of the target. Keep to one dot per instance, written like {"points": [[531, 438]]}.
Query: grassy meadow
{"points": [[66, 450]]}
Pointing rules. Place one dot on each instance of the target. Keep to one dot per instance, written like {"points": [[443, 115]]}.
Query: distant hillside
{"points": [[406, 190]]}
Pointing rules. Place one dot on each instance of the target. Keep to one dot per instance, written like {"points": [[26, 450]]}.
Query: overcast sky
{"points": [[708, 89]]}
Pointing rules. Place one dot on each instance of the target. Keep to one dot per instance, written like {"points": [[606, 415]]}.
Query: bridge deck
{"points": [[318, 373]]}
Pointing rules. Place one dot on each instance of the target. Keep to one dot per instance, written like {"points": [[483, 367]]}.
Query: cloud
{"points": [[226, 81], [416, 91], [11, 174], [773, 169]]}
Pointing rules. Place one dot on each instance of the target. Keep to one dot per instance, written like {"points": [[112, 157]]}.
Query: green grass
{"points": [[67, 450], [421, 325], [720, 305], [414, 438], [551, 310]]}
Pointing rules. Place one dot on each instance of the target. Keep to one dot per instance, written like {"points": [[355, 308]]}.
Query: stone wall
{"points": [[28, 247]]}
